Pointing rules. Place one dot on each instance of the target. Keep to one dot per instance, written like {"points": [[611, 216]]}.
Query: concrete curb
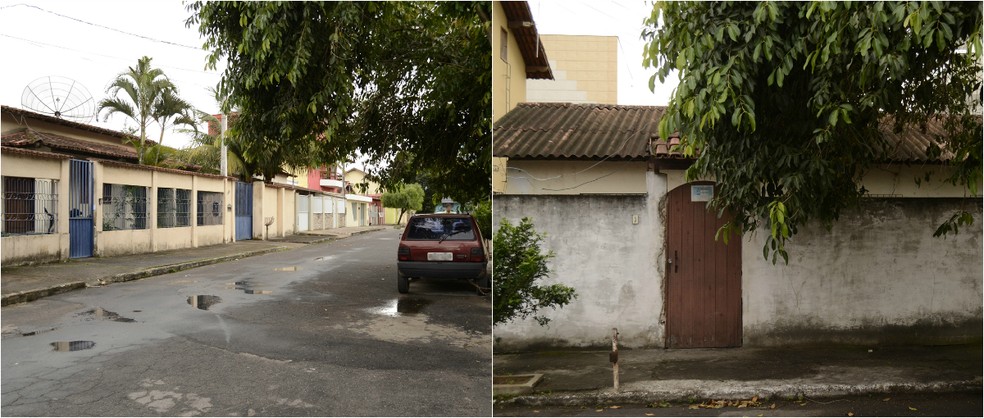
{"points": [[732, 390], [176, 267], [35, 294]]}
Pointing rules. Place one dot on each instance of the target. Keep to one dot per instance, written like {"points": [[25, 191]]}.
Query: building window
{"points": [[209, 208], [503, 45], [124, 207], [173, 207], [29, 206]]}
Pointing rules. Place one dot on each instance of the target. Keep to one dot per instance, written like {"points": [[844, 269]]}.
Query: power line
{"points": [[87, 53], [102, 26]]}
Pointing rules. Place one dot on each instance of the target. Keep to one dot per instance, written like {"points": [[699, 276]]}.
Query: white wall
{"points": [[608, 260], [878, 276]]}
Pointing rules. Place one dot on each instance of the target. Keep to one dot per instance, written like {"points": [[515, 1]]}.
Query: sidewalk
{"points": [[584, 378], [27, 283]]}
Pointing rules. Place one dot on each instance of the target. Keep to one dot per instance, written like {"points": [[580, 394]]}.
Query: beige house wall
{"points": [[885, 180], [575, 177], [585, 70], [499, 167], [20, 249], [509, 74], [24, 249]]}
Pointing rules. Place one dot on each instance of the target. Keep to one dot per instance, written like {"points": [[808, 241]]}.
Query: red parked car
{"points": [[442, 246]]}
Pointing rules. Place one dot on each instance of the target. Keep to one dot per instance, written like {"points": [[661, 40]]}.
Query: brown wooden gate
{"points": [[703, 276]]}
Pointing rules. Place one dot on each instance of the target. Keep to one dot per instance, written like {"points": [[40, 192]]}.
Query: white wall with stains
{"points": [[878, 276], [610, 261]]}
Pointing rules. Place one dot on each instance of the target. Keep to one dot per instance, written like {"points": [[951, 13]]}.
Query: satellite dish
{"points": [[60, 97]]}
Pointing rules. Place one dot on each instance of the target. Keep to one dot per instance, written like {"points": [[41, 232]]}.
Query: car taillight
{"points": [[403, 253], [477, 254]]}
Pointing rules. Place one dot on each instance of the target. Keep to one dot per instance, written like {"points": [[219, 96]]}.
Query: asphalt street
{"points": [[315, 331]]}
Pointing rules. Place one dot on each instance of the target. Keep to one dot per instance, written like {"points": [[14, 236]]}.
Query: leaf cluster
{"points": [[784, 103], [518, 263], [406, 83]]}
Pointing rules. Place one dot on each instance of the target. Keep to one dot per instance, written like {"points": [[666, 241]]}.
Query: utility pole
{"points": [[223, 158]]}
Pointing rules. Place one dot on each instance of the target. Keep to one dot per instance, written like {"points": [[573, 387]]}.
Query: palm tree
{"points": [[143, 87], [171, 111]]}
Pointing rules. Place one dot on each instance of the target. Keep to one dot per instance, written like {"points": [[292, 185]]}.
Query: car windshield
{"points": [[440, 228]]}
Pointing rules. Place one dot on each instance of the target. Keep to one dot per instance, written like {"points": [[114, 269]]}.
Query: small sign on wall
{"points": [[701, 192]]}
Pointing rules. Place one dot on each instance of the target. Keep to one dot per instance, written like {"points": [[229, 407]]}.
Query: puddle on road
{"points": [[203, 302], [100, 313], [72, 345], [291, 268], [402, 306], [248, 289]]}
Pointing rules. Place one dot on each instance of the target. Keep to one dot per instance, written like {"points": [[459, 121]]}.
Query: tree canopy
{"points": [[781, 102], [408, 84], [404, 197]]}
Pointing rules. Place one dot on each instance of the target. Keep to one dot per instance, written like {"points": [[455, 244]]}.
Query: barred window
{"points": [[124, 207], [210, 208], [29, 206], [173, 207]]}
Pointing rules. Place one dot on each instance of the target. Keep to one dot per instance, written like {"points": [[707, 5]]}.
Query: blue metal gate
{"points": [[80, 196], [244, 211]]}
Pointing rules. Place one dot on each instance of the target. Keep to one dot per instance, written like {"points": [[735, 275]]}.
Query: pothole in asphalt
{"points": [[72, 345], [203, 302], [100, 313], [325, 258], [291, 268], [248, 289], [402, 306]]}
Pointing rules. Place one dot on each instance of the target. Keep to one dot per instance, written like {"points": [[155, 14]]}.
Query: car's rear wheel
{"points": [[402, 283], [484, 284]]}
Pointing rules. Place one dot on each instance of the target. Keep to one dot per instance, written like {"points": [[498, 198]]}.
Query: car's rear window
{"points": [[440, 228]]}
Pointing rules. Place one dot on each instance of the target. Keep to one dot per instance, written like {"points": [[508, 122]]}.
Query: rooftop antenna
{"points": [[60, 97]]}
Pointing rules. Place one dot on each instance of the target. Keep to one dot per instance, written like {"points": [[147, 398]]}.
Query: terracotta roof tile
{"points": [[32, 139], [576, 131], [600, 131]]}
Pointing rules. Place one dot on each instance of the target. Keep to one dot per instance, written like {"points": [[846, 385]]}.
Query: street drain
{"points": [[291, 268], [100, 313], [402, 306], [203, 302], [72, 345]]}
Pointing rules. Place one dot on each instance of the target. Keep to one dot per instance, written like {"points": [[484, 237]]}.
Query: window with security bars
{"points": [[173, 207], [124, 207], [29, 206], [210, 208]]}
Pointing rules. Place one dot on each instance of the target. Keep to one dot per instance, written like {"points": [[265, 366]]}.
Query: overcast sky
{"points": [[93, 41], [621, 18]]}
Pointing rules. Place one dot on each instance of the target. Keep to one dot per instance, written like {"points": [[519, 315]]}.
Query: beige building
{"points": [[585, 70], [517, 55], [72, 190], [363, 198]]}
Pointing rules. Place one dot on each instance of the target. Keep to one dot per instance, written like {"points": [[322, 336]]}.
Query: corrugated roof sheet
{"points": [[576, 131], [520, 21], [596, 131]]}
